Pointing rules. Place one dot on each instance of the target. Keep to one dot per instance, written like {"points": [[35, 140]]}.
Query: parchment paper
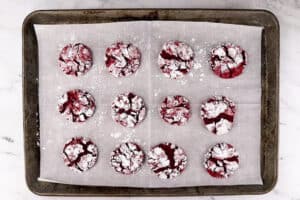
{"points": [[151, 84]]}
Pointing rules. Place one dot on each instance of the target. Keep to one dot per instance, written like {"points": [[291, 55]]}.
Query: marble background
{"points": [[12, 13]]}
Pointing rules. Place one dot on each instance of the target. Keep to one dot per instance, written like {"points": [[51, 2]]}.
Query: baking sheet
{"points": [[149, 83]]}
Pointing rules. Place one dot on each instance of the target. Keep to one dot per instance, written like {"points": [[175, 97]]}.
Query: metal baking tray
{"points": [[269, 99]]}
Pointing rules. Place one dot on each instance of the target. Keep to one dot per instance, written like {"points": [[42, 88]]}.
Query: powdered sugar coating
{"points": [[176, 59], [175, 110], [122, 59], [128, 109], [228, 60], [75, 59], [217, 114], [77, 105], [167, 160], [222, 160], [127, 158], [80, 154]]}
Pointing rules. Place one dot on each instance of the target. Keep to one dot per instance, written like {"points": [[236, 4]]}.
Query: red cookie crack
{"points": [[175, 110], [217, 114], [77, 105], [80, 154], [221, 161], [175, 59], [75, 59], [127, 158], [122, 59], [167, 160], [228, 60], [128, 109]]}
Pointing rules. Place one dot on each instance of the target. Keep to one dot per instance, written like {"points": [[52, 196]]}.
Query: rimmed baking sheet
{"points": [[111, 15]]}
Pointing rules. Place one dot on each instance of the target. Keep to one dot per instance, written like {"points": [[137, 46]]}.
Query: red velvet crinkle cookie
{"points": [[80, 154], [77, 105], [122, 59], [228, 60], [175, 110], [127, 158], [167, 160], [128, 109], [217, 114], [221, 161], [176, 59], [75, 59]]}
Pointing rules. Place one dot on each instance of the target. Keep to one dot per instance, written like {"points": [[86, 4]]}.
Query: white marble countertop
{"points": [[12, 13]]}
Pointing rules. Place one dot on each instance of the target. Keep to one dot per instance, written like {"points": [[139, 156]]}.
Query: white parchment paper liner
{"points": [[148, 82]]}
